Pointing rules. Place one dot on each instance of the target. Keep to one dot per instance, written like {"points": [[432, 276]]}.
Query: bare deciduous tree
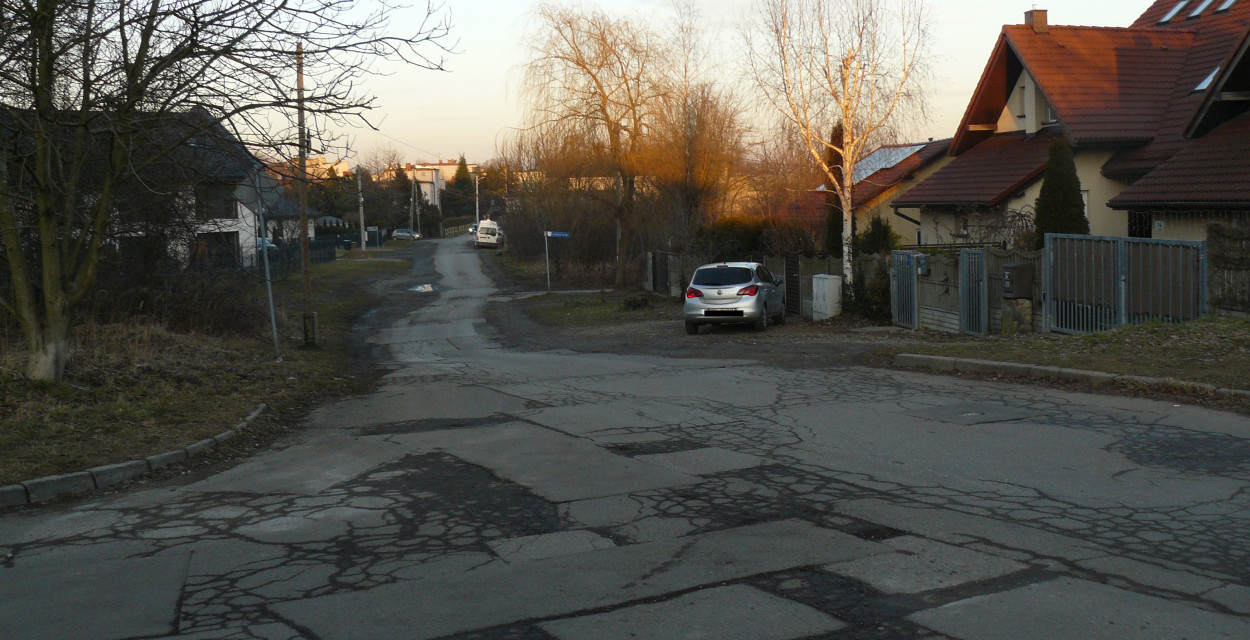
{"points": [[87, 85], [698, 144], [858, 62], [604, 78]]}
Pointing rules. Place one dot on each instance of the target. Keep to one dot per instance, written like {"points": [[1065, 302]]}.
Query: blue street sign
{"points": [[557, 234]]}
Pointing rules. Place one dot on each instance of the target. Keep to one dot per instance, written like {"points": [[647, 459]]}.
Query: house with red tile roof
{"points": [[1156, 113], [880, 177]]}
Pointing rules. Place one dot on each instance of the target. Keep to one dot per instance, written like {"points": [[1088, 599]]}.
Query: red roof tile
{"points": [[985, 175], [1160, 8], [1216, 36], [809, 209], [1105, 84], [883, 180], [1211, 173]]}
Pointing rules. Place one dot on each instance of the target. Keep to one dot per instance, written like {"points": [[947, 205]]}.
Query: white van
{"points": [[488, 234]]}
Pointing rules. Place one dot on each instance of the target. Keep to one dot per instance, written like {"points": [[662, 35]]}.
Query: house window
{"points": [[1180, 6], [1139, 224], [1085, 202], [1228, 4], [1206, 84], [211, 251], [1202, 6], [215, 202], [1048, 114]]}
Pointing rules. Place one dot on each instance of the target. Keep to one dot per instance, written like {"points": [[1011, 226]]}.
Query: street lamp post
{"points": [[412, 204], [418, 184], [477, 209]]}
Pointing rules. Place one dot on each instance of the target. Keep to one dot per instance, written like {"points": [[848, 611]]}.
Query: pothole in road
{"points": [[1203, 452], [675, 445], [871, 531], [434, 424]]}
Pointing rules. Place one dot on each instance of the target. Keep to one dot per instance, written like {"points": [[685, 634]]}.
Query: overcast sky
{"points": [[427, 115]]}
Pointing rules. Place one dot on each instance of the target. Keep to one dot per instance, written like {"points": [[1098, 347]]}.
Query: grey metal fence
{"points": [[1228, 287], [1094, 283], [903, 292], [793, 274], [974, 308]]}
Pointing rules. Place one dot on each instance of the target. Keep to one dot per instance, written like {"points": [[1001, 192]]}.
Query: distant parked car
{"points": [[734, 292], [263, 242], [405, 234], [488, 234]]}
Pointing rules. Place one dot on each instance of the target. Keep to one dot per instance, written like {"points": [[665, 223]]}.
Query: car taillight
{"points": [[749, 291], [691, 292]]}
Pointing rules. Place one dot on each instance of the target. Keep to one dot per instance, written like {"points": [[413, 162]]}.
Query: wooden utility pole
{"points": [[310, 317], [360, 200]]}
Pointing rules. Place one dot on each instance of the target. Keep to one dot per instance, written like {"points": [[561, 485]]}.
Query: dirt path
{"points": [[796, 344]]}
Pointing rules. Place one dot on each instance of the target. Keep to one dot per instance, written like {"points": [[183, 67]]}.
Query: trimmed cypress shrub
{"points": [[1060, 208]]}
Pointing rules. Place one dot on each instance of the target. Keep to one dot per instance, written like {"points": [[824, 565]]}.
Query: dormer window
{"points": [[1048, 114], [1206, 84], [1228, 4], [1202, 6], [1180, 6]]}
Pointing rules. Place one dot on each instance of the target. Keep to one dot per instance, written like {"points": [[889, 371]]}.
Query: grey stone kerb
{"points": [[970, 365], [50, 488]]}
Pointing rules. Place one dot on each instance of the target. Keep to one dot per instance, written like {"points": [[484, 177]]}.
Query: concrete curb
{"points": [[50, 488], [970, 365]]}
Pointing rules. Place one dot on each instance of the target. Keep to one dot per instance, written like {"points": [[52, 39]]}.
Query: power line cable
{"points": [[437, 157]]}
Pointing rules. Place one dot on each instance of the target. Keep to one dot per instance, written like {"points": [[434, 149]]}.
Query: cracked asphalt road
{"points": [[491, 492]]}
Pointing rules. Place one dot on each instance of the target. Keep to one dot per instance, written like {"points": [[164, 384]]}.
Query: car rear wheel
{"points": [[692, 328], [762, 323]]}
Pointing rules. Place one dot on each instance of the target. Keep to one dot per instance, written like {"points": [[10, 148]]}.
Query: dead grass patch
{"points": [[132, 390], [1211, 350]]}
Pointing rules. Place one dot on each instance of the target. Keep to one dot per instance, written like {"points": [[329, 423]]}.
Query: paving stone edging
{"points": [[970, 365], [52, 487]]}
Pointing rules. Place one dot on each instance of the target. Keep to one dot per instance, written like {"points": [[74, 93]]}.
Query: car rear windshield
{"points": [[721, 276]]}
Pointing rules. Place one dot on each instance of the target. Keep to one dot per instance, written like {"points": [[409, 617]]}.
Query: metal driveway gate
{"points": [[794, 284], [903, 290], [974, 310], [1094, 283], [659, 272]]}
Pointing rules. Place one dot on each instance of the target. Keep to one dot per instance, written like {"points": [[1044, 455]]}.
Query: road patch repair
{"points": [[497, 594], [490, 493]]}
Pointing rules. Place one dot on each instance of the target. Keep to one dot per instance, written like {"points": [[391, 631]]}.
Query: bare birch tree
{"points": [[604, 77], [88, 92], [858, 62]]}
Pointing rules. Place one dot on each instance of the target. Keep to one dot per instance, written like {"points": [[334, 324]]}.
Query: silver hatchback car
{"points": [[734, 292]]}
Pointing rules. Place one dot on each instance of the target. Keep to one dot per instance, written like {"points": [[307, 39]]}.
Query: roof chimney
{"points": [[1037, 19]]}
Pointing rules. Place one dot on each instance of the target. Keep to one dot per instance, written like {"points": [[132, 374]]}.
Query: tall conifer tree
{"points": [[1060, 208]]}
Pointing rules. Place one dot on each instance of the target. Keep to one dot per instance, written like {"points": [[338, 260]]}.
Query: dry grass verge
{"points": [[134, 390], [1212, 350]]}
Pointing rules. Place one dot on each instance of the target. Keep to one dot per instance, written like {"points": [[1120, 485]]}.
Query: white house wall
{"points": [[941, 227], [1026, 109]]}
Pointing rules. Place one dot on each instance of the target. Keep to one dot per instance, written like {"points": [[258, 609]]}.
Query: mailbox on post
{"points": [[1018, 280]]}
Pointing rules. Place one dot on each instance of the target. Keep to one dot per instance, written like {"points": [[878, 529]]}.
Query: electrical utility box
{"points": [[826, 296], [1018, 280]]}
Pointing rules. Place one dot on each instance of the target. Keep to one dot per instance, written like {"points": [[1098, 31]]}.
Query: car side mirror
{"points": [[778, 281]]}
